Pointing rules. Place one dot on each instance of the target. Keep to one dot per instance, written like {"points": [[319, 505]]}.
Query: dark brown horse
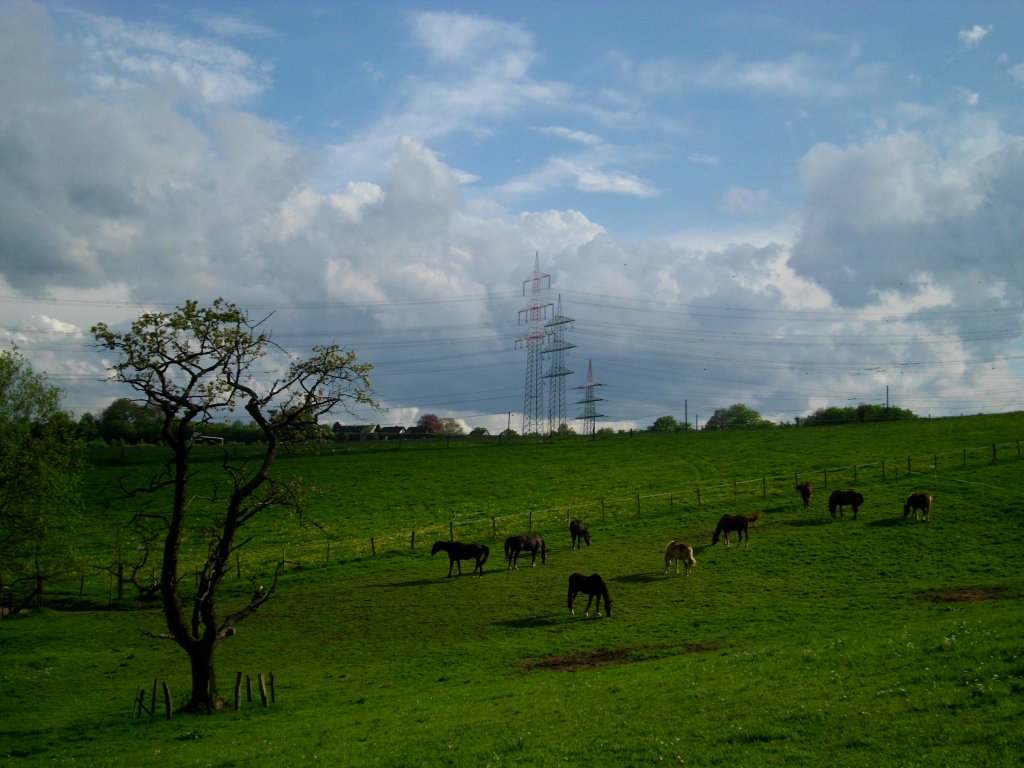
{"points": [[840, 499], [457, 552], [679, 550], [594, 587], [528, 542], [805, 489], [735, 523], [920, 504], [579, 534]]}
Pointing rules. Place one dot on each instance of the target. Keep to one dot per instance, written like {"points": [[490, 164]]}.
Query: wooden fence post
{"points": [[698, 496], [373, 547], [263, 691], [412, 539], [238, 691], [451, 531], [993, 452], [855, 472], [167, 700]]}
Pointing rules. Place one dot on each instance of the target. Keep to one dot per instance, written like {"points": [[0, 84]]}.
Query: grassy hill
{"points": [[881, 640]]}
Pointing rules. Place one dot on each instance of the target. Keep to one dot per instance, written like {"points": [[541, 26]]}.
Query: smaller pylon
{"points": [[589, 402]]}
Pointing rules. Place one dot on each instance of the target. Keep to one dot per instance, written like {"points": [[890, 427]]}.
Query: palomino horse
{"points": [[920, 504], [738, 523], [457, 552], [804, 489], [679, 550], [529, 542], [594, 587], [579, 533], [840, 499]]}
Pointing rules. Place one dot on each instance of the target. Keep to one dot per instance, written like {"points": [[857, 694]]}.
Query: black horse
{"points": [[594, 587], [805, 490], [840, 499], [579, 533], [739, 524], [529, 542], [457, 552]]}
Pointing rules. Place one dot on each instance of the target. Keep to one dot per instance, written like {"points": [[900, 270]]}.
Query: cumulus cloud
{"points": [[119, 199], [969, 38]]}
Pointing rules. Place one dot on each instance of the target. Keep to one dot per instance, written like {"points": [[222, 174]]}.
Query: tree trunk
{"points": [[204, 697]]}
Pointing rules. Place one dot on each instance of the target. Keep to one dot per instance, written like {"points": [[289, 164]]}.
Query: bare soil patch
{"points": [[590, 659], [963, 595]]}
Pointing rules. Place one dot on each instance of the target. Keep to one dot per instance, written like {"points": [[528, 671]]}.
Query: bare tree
{"points": [[194, 364]]}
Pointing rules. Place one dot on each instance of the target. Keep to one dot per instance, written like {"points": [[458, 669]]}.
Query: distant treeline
{"points": [[853, 415]]}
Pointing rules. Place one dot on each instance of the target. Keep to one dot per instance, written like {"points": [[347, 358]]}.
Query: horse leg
{"points": [[572, 599], [450, 564], [590, 599]]}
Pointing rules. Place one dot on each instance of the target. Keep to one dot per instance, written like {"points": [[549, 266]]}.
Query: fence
{"points": [[763, 491]]}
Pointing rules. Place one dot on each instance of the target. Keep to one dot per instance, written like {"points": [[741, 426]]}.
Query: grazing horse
{"points": [[921, 504], [530, 542], [804, 489], [840, 499], [679, 550], [457, 552], [594, 587], [738, 523], [579, 533]]}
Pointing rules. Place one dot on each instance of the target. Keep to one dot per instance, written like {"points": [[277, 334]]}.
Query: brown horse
{"points": [[738, 523], [457, 552], [805, 489], [840, 499], [579, 533], [530, 542], [920, 504], [594, 587], [679, 550]]}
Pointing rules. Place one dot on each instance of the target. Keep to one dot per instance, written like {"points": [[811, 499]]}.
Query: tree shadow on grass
{"points": [[416, 582]]}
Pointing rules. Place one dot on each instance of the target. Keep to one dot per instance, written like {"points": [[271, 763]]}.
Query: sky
{"points": [[786, 205]]}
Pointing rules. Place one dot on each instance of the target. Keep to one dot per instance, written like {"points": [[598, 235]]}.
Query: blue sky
{"points": [[789, 205]]}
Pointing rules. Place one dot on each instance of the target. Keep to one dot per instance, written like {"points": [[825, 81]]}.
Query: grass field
{"points": [[876, 641]]}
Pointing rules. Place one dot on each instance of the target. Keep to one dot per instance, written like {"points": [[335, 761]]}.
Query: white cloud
{"points": [[747, 202], [969, 38]]}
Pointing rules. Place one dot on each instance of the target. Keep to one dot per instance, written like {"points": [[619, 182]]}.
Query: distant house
{"points": [[352, 432], [391, 433]]}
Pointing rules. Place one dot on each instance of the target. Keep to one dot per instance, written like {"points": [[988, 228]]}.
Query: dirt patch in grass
{"points": [[963, 595], [603, 658]]}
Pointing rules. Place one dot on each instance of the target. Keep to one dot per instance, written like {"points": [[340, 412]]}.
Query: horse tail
{"points": [[487, 551], [543, 552]]}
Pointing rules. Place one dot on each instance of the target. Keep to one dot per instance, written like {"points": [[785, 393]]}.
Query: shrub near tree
{"points": [[193, 365], [41, 461]]}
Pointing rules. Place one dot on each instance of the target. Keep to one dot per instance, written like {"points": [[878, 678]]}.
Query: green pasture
{"points": [[878, 641]]}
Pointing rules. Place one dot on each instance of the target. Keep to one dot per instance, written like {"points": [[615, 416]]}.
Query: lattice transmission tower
{"points": [[535, 313], [589, 402], [555, 350]]}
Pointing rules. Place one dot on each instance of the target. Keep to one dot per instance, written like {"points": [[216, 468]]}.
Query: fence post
{"points": [[993, 452], [167, 700], [698, 496], [602, 509], [412, 539], [910, 470], [494, 526], [373, 547], [825, 473], [530, 529], [263, 691], [238, 691], [451, 531]]}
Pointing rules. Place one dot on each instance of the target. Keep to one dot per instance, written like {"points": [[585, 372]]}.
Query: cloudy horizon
{"points": [[781, 205]]}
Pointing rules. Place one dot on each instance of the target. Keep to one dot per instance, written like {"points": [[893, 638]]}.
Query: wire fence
{"points": [[685, 504]]}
